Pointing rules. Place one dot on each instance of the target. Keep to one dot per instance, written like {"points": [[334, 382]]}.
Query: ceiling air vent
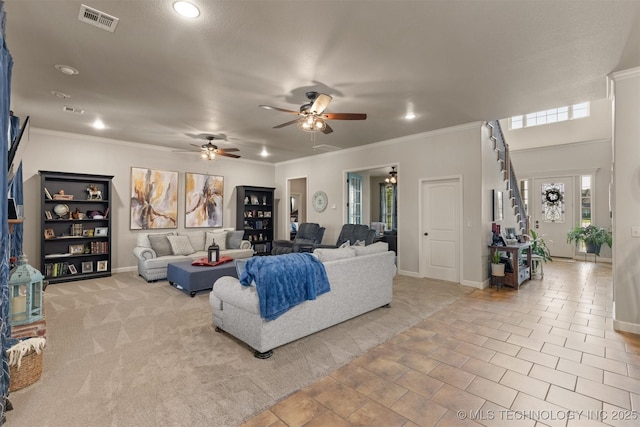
{"points": [[326, 147], [97, 18], [74, 110]]}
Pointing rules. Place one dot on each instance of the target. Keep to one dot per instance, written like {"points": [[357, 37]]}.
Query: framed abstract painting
{"points": [[154, 199], [204, 196]]}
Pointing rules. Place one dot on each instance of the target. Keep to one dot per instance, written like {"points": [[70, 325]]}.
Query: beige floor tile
{"points": [[622, 381], [545, 413], [612, 395], [514, 329], [502, 347], [525, 384], [572, 400], [419, 383], [623, 356], [341, 399], [512, 363], [484, 369], [297, 410], [605, 364], [419, 409], [266, 418], [385, 368], [455, 399], [448, 356], [328, 418], [537, 357], [527, 342], [450, 375], [580, 370], [372, 414], [492, 391], [492, 415], [494, 333], [419, 362], [562, 352], [475, 351], [382, 391], [585, 347], [553, 376]]}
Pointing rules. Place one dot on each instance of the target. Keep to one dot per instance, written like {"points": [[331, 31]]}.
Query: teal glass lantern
{"points": [[25, 293]]}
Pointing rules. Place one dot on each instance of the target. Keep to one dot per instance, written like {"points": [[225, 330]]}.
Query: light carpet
{"points": [[124, 352]]}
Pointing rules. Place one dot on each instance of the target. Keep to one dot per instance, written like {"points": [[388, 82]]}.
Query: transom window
{"points": [[553, 115]]}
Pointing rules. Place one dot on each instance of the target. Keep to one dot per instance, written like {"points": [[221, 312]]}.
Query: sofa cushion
{"points": [[142, 239], [160, 244], [219, 236], [373, 248], [326, 254], [196, 238], [180, 245], [234, 238]]}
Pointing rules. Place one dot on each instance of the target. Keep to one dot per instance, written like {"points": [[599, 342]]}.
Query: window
{"points": [[524, 193], [553, 115], [585, 200], [354, 214], [388, 206]]}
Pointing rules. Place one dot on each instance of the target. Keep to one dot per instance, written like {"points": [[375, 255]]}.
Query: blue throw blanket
{"points": [[284, 281]]}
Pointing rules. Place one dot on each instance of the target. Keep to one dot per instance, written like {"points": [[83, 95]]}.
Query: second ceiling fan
{"points": [[312, 116]]}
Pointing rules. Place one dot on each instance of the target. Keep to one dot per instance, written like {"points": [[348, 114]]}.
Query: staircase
{"points": [[509, 175]]}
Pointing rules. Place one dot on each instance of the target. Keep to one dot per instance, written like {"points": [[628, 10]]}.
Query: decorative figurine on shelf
{"points": [[94, 193], [264, 200], [246, 200], [214, 252]]}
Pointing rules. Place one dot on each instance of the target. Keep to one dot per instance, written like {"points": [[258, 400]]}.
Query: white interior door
{"points": [[440, 229], [554, 213]]}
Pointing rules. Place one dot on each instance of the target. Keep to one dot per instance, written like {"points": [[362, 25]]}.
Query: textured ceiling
{"points": [[165, 80]]}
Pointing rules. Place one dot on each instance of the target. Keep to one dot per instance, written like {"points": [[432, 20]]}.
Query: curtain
{"points": [[6, 64]]}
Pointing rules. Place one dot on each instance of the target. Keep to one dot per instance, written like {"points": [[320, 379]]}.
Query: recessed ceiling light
{"points": [[66, 69], [186, 9], [60, 95], [410, 116], [264, 152], [98, 124]]}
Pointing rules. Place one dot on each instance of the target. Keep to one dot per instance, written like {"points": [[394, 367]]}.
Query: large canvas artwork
{"points": [[204, 197], [154, 199]]}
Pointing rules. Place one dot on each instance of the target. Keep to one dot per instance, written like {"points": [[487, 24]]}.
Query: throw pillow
{"points": [[180, 245], [345, 245], [196, 238], [160, 244], [371, 249], [219, 236], [142, 239], [359, 243], [234, 238], [325, 254]]}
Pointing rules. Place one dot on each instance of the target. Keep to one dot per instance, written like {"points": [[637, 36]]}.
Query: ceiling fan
{"points": [[312, 115], [209, 151]]}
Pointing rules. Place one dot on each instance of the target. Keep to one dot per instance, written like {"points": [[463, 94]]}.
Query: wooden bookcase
{"points": [[255, 215], [75, 226]]}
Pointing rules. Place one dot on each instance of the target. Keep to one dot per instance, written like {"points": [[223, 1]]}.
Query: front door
{"points": [[440, 230], [553, 213]]}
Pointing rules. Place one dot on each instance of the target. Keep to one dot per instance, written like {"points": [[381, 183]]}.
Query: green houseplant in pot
{"points": [[497, 268], [539, 246], [592, 236]]}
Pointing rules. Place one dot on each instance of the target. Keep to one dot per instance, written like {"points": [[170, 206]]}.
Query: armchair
{"points": [[308, 236], [353, 233]]}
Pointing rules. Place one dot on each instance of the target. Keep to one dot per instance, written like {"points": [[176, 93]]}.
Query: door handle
{"points": [[426, 234]]}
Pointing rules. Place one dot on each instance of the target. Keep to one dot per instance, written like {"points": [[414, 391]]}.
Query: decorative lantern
{"points": [[214, 253], [25, 293]]}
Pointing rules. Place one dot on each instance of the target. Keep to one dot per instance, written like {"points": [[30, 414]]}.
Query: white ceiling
{"points": [[164, 80]]}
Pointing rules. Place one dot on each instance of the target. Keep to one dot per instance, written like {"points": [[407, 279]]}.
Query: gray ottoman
{"points": [[193, 278]]}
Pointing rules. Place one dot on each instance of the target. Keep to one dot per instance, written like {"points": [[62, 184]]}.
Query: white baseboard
{"points": [[124, 269], [621, 326]]}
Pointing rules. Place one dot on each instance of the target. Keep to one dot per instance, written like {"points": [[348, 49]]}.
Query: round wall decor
{"points": [[320, 201]]}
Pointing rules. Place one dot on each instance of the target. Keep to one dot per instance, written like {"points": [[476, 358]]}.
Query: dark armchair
{"points": [[308, 236], [352, 233]]}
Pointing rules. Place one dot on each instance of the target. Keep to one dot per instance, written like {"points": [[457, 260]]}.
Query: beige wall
{"points": [[626, 203], [57, 151]]}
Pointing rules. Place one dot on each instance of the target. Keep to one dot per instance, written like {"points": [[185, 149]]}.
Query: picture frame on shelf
{"points": [[87, 267], [48, 215], [254, 199], [102, 265], [76, 249], [101, 231], [72, 269], [49, 233]]}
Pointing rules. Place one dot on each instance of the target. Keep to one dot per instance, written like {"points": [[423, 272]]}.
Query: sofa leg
{"points": [[219, 330], [265, 355], [387, 305]]}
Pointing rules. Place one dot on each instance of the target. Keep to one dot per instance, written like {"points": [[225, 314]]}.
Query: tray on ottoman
{"points": [[193, 278]]}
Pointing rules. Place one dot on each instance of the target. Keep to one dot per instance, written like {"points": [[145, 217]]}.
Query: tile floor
{"points": [[546, 354]]}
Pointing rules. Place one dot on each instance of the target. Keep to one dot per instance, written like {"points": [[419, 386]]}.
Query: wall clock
{"points": [[320, 201]]}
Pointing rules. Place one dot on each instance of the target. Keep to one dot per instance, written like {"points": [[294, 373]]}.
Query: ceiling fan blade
{"points": [[195, 145], [344, 116], [233, 156], [284, 110], [327, 129], [226, 150], [320, 104], [285, 124]]}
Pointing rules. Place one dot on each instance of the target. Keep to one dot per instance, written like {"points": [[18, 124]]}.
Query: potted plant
{"points": [[497, 268], [538, 246], [592, 236]]}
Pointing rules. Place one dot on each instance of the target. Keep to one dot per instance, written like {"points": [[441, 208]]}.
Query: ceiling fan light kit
{"points": [[393, 177], [313, 118]]}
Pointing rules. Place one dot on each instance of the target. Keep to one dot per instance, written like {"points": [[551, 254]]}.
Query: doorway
{"points": [[440, 229], [553, 213], [296, 208]]}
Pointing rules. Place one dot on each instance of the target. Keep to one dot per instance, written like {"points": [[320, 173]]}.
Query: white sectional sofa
{"points": [[361, 280], [154, 251]]}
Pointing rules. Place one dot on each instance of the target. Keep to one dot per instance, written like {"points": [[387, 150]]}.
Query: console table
{"points": [[519, 268]]}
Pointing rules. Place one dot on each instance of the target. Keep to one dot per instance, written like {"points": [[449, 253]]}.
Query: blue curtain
{"points": [[16, 191], [6, 64]]}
